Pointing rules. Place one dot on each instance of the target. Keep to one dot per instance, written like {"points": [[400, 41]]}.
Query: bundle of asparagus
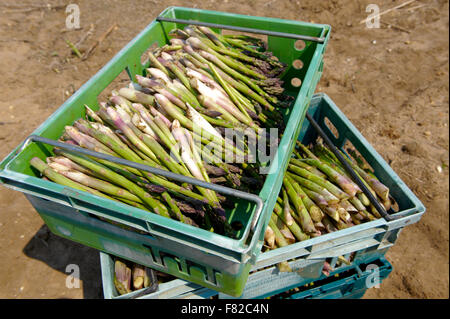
{"points": [[197, 87], [319, 197], [130, 277]]}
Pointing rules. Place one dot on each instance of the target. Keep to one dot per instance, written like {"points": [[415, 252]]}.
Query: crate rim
{"points": [[418, 205], [261, 18]]}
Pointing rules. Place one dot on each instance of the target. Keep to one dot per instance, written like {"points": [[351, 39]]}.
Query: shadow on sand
{"points": [[58, 252]]}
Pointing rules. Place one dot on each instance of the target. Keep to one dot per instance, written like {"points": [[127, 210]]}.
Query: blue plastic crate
{"points": [[368, 241], [348, 286]]}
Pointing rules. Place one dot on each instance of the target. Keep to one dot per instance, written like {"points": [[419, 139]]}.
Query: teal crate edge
{"points": [[345, 284], [418, 204]]}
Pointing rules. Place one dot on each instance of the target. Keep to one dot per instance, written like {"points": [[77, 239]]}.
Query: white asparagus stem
{"points": [[197, 119], [158, 74]]}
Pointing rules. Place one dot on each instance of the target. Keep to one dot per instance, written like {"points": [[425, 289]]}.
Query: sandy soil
{"points": [[391, 82]]}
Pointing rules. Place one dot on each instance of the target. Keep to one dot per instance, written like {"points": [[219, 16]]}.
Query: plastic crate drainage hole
{"points": [[331, 127], [299, 45], [297, 64], [296, 82]]}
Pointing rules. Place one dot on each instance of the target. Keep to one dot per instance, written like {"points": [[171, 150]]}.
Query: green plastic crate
{"points": [[366, 242], [202, 257]]}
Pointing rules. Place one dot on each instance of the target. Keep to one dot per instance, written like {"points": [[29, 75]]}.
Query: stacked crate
{"points": [[209, 264]]}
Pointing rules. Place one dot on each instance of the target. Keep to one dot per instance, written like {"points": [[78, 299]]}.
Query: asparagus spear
{"points": [[169, 107], [343, 214], [304, 218], [136, 96], [92, 114], [157, 207], [198, 44], [98, 184], [138, 274], [122, 277], [348, 206], [229, 91], [347, 185], [269, 237], [331, 160], [314, 211], [331, 211], [54, 176], [154, 61], [307, 167], [293, 227], [329, 224], [158, 74], [86, 141], [376, 185], [176, 212], [188, 159], [336, 191], [212, 36], [330, 198], [287, 209], [71, 165], [160, 88], [284, 229], [279, 239]]}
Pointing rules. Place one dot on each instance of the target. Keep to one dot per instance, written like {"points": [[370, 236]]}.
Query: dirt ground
{"points": [[391, 82]]}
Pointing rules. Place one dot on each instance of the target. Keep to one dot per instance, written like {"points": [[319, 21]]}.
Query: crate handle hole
{"points": [[331, 127], [296, 82], [395, 208], [299, 45], [297, 64], [356, 156]]}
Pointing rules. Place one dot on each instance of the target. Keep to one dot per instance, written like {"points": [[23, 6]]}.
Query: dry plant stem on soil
{"points": [[99, 41]]}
